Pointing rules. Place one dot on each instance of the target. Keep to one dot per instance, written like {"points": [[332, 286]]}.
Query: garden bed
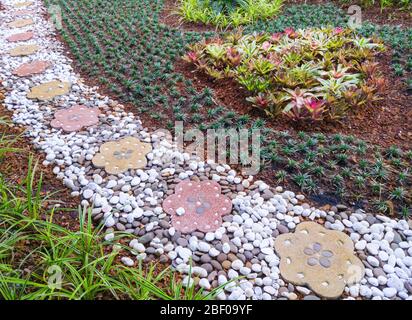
{"points": [[185, 96]]}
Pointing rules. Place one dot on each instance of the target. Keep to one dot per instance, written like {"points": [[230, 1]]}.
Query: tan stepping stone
{"points": [[24, 36], [197, 206], [49, 90], [119, 156], [30, 68], [23, 4], [24, 50], [75, 118], [20, 23], [22, 12], [319, 258]]}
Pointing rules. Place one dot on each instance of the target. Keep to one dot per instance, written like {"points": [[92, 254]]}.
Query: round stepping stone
{"points": [[75, 118], [24, 50], [22, 12], [119, 156], [24, 36], [49, 90], [197, 206], [23, 4], [319, 258], [30, 68], [20, 23]]}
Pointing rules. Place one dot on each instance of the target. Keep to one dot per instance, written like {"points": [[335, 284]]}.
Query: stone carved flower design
{"points": [[197, 206], [320, 258], [20, 23], [23, 4], [30, 68], [24, 50], [23, 36], [49, 90], [119, 156], [75, 118]]}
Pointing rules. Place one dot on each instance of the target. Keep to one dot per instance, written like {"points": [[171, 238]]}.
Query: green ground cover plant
{"points": [[223, 13], [131, 53], [305, 74]]}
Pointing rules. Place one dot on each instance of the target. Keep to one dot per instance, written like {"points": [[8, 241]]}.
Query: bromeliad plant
{"points": [[304, 74]]}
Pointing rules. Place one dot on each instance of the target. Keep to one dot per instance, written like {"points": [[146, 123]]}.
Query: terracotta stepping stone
{"points": [[49, 90], [319, 258], [75, 118], [23, 4], [30, 68], [197, 206], [119, 156], [24, 36], [20, 23], [22, 12], [24, 50]]}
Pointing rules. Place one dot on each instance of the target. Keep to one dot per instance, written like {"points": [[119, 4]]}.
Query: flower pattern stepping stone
{"points": [[119, 156], [22, 12], [23, 4], [30, 68], [20, 23], [24, 50], [320, 258], [75, 118], [197, 206], [49, 90], [24, 36]]}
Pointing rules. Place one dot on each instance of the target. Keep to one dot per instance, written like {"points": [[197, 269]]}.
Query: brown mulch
{"points": [[386, 123], [14, 168], [391, 15]]}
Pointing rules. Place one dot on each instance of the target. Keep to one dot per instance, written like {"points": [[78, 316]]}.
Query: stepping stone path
{"points": [[21, 23], [197, 206], [31, 68], [320, 258], [119, 156], [49, 90], [24, 50], [181, 210], [75, 118], [24, 36]]}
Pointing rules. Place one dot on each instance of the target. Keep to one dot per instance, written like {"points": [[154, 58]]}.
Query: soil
{"points": [[385, 123], [391, 15], [14, 168]]}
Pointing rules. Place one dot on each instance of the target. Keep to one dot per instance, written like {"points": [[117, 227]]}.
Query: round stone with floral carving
{"points": [[49, 90], [23, 36], [197, 206], [21, 23], [320, 258], [30, 68], [119, 156], [75, 118], [23, 4], [24, 50]]}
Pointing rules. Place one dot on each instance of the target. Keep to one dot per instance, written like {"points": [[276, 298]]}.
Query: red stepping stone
{"points": [[22, 12], [75, 118], [34, 67], [197, 206], [24, 36]]}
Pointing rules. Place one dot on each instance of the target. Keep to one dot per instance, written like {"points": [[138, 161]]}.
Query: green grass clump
{"points": [[223, 13]]}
